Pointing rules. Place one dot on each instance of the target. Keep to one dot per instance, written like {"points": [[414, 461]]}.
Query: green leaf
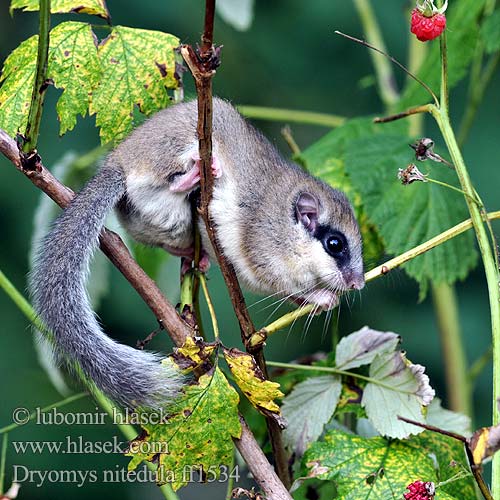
{"points": [[448, 420], [73, 66], [307, 409], [16, 80], [138, 67], [379, 469], [325, 159], [197, 433], [93, 7], [462, 32], [399, 388], [409, 215], [361, 347], [490, 32]]}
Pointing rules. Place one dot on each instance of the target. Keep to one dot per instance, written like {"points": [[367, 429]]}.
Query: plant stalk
{"points": [[3, 462], [386, 82], [291, 116], [489, 260], [455, 363], [40, 85]]}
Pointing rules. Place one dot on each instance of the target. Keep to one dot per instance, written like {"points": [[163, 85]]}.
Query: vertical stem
{"points": [[490, 267], [455, 364], [3, 462], [203, 67], [489, 260], [383, 68], [39, 86]]}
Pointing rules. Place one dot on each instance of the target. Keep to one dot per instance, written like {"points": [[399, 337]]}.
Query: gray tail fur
{"points": [[129, 377]]}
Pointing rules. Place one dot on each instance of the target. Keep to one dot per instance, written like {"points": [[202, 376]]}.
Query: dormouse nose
{"points": [[354, 280]]}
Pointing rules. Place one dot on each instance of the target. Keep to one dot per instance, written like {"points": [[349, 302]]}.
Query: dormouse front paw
{"points": [[187, 181]]}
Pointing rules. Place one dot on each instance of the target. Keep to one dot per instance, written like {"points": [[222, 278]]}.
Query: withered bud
{"points": [[410, 174], [424, 150]]}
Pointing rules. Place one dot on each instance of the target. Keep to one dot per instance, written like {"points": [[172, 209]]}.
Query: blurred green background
{"points": [[289, 58]]}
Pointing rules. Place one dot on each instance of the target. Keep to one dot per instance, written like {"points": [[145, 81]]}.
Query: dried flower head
{"points": [[424, 150], [410, 174]]}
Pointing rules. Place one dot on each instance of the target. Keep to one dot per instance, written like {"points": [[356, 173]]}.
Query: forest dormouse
{"points": [[285, 232]]}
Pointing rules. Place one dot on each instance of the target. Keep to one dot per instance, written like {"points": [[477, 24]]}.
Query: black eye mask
{"points": [[335, 244]]}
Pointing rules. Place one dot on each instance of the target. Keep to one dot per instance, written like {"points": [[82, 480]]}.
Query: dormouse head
{"points": [[330, 245]]}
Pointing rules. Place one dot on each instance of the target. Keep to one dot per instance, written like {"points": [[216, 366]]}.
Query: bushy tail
{"points": [[57, 282]]}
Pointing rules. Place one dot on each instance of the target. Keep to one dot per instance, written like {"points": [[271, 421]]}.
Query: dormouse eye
{"points": [[335, 244]]}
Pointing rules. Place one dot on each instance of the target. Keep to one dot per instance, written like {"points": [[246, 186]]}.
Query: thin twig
{"points": [[387, 87], [286, 133], [412, 111], [211, 309], [395, 61], [291, 116], [3, 462], [202, 66]]}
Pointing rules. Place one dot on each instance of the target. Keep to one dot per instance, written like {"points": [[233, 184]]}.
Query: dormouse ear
{"points": [[307, 211]]}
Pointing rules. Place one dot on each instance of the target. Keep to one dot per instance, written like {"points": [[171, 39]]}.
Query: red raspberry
{"points": [[427, 28], [418, 490]]}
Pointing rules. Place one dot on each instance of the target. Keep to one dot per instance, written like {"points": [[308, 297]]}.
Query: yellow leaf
{"points": [[193, 353], [259, 391], [484, 443]]}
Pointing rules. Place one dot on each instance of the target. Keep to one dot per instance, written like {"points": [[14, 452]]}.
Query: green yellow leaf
{"points": [[16, 80], [259, 391], [197, 434], [138, 67], [380, 469], [350, 399], [93, 7], [73, 66]]}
